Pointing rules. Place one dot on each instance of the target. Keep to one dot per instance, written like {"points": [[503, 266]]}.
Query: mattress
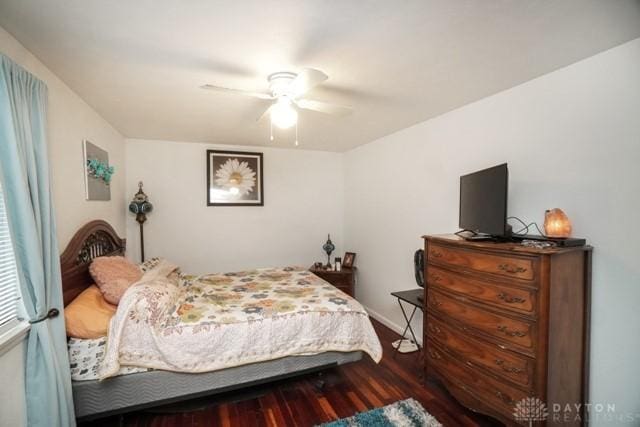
{"points": [[94, 399], [85, 357]]}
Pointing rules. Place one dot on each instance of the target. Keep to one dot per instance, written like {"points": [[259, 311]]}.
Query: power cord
{"points": [[525, 227]]}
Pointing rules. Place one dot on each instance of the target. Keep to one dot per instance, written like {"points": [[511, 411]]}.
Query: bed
{"points": [[134, 388]]}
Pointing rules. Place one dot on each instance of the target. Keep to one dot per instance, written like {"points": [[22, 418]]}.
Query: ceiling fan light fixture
{"points": [[283, 115], [286, 94]]}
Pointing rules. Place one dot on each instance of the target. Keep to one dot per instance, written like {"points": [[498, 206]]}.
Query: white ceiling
{"points": [[397, 62]]}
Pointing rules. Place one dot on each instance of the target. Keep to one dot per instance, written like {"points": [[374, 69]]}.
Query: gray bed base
{"points": [[125, 393]]}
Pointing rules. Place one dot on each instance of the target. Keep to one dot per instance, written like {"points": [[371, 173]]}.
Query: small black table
{"points": [[410, 297]]}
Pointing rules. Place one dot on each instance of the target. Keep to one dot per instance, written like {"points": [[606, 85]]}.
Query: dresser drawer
{"points": [[342, 280], [510, 330], [505, 364], [497, 394], [498, 295], [337, 279], [502, 265]]}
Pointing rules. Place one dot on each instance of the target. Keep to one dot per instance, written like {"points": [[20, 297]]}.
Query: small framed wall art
{"points": [[97, 172], [234, 178]]}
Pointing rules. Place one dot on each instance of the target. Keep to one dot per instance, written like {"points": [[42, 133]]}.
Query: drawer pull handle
{"points": [[436, 254], [511, 269], [512, 369], [510, 299], [505, 398], [504, 330], [434, 329], [434, 355]]}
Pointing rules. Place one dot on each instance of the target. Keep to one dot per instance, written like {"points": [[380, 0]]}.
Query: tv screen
{"points": [[483, 201]]}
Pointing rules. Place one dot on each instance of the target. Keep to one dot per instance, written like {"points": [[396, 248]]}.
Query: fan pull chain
{"points": [[271, 129], [296, 134]]}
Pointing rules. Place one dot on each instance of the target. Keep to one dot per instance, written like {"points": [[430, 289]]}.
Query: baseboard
{"points": [[388, 323]]}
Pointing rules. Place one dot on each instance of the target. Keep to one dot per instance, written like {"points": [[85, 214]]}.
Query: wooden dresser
{"points": [[504, 322], [343, 279]]}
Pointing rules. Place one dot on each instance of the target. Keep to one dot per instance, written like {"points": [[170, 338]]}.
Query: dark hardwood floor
{"points": [[302, 402]]}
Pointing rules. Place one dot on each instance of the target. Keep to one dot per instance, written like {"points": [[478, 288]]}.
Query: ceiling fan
{"points": [[286, 93]]}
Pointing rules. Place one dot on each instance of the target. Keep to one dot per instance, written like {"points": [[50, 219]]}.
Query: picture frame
{"points": [[348, 259], [234, 178], [97, 172]]}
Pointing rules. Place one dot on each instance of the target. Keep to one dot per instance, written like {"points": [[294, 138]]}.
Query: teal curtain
{"points": [[24, 170]]}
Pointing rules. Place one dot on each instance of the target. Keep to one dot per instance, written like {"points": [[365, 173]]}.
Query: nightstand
{"points": [[343, 279]]}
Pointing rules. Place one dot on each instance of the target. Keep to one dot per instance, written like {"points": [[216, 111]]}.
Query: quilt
{"points": [[203, 323]]}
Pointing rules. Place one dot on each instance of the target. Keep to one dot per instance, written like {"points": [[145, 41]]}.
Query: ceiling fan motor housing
{"points": [[280, 83]]}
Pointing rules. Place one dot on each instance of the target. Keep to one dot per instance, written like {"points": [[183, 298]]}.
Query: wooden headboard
{"points": [[94, 239]]}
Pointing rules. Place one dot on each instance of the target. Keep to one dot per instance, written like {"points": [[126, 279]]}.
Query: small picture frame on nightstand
{"points": [[349, 259]]}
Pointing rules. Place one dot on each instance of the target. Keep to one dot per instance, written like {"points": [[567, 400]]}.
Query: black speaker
{"points": [[418, 267]]}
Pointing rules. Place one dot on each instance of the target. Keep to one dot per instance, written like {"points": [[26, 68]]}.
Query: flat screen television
{"points": [[483, 202]]}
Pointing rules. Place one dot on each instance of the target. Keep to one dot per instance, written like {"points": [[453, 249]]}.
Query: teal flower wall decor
{"points": [[100, 170]]}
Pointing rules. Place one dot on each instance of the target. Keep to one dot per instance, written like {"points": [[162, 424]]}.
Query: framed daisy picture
{"points": [[234, 178]]}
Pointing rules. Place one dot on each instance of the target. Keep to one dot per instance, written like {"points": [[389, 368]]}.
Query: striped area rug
{"points": [[403, 413]]}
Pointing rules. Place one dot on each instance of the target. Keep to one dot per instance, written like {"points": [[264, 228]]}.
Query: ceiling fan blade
{"points": [[265, 113], [259, 95], [324, 107], [305, 80]]}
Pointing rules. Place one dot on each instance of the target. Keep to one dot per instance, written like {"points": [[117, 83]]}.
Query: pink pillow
{"points": [[114, 275]]}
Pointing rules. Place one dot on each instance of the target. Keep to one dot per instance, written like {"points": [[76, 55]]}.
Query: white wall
{"points": [[70, 121], [572, 140], [12, 392], [303, 202]]}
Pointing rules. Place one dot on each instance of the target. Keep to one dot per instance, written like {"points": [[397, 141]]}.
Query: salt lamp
{"points": [[556, 223]]}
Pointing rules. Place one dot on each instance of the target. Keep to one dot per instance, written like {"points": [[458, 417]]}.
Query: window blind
{"points": [[8, 274]]}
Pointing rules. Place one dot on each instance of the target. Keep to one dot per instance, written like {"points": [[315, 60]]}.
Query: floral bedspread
{"points": [[217, 321]]}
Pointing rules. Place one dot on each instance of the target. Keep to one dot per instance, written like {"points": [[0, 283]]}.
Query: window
{"points": [[8, 274]]}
